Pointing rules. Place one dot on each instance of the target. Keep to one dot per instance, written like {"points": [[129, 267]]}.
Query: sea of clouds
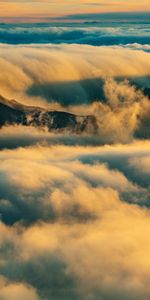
{"points": [[75, 222], [74, 209]]}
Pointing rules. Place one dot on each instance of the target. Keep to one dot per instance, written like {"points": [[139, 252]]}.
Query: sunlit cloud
{"points": [[65, 202]]}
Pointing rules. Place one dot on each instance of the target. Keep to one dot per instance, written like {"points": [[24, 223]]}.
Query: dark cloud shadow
{"points": [[70, 92], [80, 92]]}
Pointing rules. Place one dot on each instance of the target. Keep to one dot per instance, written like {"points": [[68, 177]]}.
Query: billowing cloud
{"points": [[82, 80], [16, 291], [67, 74], [121, 116], [64, 203]]}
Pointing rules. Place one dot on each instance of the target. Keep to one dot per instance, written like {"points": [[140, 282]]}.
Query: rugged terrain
{"points": [[12, 112]]}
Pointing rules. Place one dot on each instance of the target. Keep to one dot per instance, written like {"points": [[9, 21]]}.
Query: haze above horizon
{"points": [[46, 10]]}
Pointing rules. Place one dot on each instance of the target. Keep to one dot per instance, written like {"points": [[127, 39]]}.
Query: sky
{"points": [[59, 8]]}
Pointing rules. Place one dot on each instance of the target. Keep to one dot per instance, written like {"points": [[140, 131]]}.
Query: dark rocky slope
{"points": [[12, 112]]}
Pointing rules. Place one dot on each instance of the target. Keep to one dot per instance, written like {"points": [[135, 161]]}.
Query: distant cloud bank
{"points": [[93, 34]]}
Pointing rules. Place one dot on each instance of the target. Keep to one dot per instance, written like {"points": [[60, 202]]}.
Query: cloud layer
{"points": [[74, 209], [95, 34], [67, 74], [64, 203]]}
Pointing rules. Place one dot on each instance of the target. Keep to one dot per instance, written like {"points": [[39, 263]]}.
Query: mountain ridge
{"points": [[12, 112]]}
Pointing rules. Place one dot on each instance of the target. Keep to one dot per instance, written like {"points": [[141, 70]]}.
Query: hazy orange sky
{"points": [[57, 8]]}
